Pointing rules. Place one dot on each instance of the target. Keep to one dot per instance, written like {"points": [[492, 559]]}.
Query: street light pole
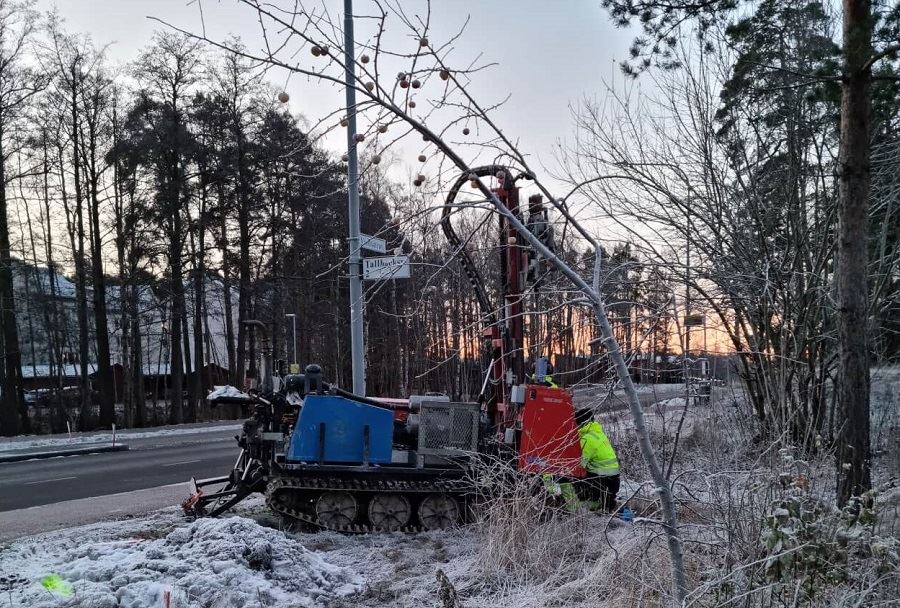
{"points": [[293, 318], [357, 348]]}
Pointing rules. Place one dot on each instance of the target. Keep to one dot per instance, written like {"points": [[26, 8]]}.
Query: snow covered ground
{"points": [[726, 488], [227, 562], [79, 440], [245, 560], [642, 389]]}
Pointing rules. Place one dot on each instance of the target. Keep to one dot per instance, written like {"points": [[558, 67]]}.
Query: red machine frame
{"points": [[542, 425]]}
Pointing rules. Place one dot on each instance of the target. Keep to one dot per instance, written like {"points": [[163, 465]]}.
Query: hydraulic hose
{"points": [[447, 226], [348, 395]]}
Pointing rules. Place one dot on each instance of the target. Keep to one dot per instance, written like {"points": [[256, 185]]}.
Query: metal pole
{"points": [[296, 361], [357, 348], [687, 312], [293, 354]]}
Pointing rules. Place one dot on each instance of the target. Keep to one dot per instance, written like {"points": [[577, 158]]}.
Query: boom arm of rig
{"points": [[503, 337]]}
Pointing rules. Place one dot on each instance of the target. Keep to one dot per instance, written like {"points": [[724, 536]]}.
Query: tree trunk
{"points": [[84, 421], [199, 303], [176, 286], [226, 290], [244, 270], [120, 241], [52, 312], [13, 412], [136, 363], [124, 332], [853, 464], [190, 413], [101, 327]]}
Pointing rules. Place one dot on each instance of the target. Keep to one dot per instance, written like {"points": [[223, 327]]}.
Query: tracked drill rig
{"points": [[339, 461]]}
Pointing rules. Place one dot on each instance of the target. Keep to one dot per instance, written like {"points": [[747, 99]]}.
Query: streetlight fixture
{"points": [[293, 319]]}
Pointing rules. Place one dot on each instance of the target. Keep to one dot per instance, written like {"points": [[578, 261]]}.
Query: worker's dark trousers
{"points": [[602, 489]]}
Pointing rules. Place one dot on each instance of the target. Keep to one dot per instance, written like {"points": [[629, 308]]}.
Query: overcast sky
{"points": [[550, 54]]}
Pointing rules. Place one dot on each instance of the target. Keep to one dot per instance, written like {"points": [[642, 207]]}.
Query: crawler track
{"points": [[296, 498]]}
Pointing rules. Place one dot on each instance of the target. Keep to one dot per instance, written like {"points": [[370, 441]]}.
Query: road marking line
{"points": [[31, 483], [175, 464]]}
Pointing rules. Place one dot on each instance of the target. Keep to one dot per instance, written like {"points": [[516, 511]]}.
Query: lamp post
{"points": [[293, 319], [357, 348]]}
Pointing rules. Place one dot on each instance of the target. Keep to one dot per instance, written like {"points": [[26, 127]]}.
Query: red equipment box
{"points": [[549, 441]]}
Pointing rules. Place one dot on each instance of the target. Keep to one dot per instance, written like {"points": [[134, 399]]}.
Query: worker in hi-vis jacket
{"points": [[598, 457]]}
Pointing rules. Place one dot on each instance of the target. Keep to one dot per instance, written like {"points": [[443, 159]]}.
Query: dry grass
{"points": [[727, 483]]}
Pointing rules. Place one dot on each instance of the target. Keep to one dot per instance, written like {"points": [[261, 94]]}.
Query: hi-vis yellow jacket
{"points": [[548, 380], [597, 453]]}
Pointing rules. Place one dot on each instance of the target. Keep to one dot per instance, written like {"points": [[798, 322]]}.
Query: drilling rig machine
{"points": [[339, 461]]}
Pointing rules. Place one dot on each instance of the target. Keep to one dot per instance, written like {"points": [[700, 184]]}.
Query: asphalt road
{"points": [[150, 462]]}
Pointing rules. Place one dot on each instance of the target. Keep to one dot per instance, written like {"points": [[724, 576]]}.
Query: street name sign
{"points": [[389, 267], [372, 243]]}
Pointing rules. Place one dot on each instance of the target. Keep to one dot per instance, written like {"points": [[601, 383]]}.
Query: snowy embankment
{"points": [[243, 562], [78, 439], [209, 562]]}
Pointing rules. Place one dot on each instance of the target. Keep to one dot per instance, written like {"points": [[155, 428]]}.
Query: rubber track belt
{"points": [[283, 484]]}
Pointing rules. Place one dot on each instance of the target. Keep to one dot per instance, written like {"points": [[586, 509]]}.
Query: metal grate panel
{"points": [[448, 429]]}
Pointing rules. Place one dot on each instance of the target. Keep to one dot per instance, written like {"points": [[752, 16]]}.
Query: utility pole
{"points": [[357, 348]]}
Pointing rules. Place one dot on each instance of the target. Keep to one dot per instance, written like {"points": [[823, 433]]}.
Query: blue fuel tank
{"points": [[342, 424]]}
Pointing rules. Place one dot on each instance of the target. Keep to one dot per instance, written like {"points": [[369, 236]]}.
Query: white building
{"points": [[47, 319]]}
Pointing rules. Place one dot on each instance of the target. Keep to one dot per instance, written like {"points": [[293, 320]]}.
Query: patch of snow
{"points": [[644, 389], [229, 391], [68, 370], [675, 403], [121, 436], [230, 562]]}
